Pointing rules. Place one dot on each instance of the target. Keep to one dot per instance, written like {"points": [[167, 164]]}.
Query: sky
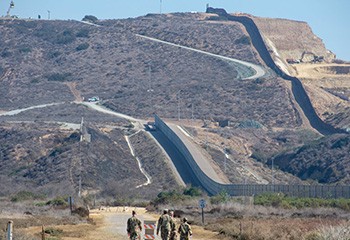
{"points": [[329, 19]]}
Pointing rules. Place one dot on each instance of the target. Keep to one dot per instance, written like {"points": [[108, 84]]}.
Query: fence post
{"points": [[42, 233], [9, 230]]}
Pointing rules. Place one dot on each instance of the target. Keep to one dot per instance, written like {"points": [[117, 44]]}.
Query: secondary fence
{"points": [[9, 231], [213, 188]]}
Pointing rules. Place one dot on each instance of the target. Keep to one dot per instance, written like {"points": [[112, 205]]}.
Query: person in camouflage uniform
{"points": [[164, 225], [185, 230], [173, 235], [134, 227]]}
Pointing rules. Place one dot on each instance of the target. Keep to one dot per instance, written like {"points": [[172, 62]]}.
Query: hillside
{"points": [[61, 62], [326, 79], [324, 161]]}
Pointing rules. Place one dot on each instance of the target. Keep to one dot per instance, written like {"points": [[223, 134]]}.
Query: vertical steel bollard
{"points": [[9, 230]]}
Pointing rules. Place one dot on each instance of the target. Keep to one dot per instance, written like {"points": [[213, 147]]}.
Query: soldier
{"points": [[185, 230], [133, 227], [164, 225], [172, 226]]}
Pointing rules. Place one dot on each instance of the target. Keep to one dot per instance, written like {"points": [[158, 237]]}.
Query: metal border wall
{"points": [[213, 188]]}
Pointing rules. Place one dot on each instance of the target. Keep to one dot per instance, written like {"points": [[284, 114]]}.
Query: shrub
{"points": [[222, 197], [81, 211], [25, 195], [25, 50], [245, 40], [60, 77], [66, 37], [168, 197], [83, 33], [280, 200], [341, 232], [250, 124], [53, 231], [82, 46], [54, 54], [59, 201], [6, 53], [193, 192]]}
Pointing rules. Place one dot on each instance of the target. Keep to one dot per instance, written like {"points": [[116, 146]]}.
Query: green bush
{"points": [[222, 197], [193, 192], [58, 201], [26, 195], [169, 197], [280, 200]]}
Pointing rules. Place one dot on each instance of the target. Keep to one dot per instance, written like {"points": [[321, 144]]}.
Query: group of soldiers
{"points": [[166, 226]]}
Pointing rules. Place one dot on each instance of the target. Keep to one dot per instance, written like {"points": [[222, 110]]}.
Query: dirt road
{"points": [[110, 224], [114, 224]]}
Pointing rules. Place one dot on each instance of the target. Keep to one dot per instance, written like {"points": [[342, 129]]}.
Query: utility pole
{"points": [[79, 192], [160, 6], [273, 176], [225, 160], [48, 14], [150, 78], [12, 5]]}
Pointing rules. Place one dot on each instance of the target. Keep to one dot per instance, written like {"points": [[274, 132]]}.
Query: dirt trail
{"points": [[75, 92]]}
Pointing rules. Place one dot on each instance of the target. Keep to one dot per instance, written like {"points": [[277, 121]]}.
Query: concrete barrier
{"points": [[213, 187]]}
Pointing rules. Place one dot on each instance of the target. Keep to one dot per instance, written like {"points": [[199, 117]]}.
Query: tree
{"points": [[90, 18]]}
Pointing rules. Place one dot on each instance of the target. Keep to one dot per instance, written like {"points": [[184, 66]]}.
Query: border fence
{"points": [[213, 188]]}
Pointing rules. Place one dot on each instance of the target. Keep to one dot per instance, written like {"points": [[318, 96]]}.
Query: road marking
{"points": [[184, 131]]}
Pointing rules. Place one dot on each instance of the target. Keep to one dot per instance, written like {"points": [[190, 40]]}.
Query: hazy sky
{"points": [[329, 19]]}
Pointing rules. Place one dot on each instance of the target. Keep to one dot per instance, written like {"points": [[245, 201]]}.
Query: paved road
{"points": [[198, 155], [179, 161], [100, 108], [259, 71], [17, 111]]}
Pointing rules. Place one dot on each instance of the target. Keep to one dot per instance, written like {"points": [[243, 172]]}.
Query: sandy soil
{"points": [[319, 71]]}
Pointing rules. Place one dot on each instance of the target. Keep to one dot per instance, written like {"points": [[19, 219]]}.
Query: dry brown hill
{"points": [[62, 61]]}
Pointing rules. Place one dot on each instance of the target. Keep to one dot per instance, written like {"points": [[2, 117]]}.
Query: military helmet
{"points": [[185, 219]]}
